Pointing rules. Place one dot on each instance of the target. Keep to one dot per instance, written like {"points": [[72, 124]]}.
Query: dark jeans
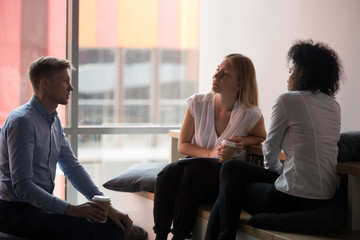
{"points": [[180, 188], [25, 220], [251, 188]]}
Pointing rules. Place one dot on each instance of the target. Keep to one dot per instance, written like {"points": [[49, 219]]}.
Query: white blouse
{"points": [[242, 120], [306, 126]]}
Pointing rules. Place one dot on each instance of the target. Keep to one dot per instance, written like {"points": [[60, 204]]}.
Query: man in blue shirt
{"points": [[32, 142]]}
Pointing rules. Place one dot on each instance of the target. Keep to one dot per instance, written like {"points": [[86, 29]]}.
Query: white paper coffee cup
{"points": [[105, 201], [229, 147]]}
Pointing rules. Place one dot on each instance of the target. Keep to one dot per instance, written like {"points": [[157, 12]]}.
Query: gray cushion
{"points": [[349, 146], [137, 178]]}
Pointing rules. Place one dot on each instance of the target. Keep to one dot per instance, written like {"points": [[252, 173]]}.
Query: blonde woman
{"points": [[229, 112]]}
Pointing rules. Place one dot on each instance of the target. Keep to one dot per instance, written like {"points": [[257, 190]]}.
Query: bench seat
{"points": [[349, 168], [257, 233]]}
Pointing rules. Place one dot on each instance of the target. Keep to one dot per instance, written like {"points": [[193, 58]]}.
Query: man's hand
{"points": [[121, 219], [92, 210]]}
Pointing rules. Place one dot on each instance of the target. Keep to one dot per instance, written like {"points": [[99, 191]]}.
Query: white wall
{"points": [[264, 31]]}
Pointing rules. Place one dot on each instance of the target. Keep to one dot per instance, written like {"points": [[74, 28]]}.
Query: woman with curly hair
{"points": [[305, 124]]}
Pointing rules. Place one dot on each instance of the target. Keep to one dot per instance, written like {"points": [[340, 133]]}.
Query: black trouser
{"points": [[251, 188], [25, 220], [180, 188]]}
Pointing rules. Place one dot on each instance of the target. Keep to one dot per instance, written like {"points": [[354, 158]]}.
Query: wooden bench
{"points": [[352, 169]]}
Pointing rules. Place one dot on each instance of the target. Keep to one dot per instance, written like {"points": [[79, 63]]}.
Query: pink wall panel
{"points": [[169, 24], [56, 32], [56, 38], [107, 16], [10, 44]]}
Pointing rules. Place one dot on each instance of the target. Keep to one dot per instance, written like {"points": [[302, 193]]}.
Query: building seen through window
{"points": [[138, 63]]}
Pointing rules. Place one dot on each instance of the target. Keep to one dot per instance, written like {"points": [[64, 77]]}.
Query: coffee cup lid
{"points": [[101, 198], [228, 143]]}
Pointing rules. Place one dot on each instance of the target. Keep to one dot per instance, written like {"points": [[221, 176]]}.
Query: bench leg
{"points": [[353, 202]]}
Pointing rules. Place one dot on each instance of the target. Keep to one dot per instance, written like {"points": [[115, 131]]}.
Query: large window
{"points": [[137, 62]]}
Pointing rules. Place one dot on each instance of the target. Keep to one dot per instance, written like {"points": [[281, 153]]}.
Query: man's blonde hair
{"points": [[46, 67]]}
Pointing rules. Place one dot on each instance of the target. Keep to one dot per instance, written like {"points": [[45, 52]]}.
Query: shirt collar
{"points": [[42, 110]]}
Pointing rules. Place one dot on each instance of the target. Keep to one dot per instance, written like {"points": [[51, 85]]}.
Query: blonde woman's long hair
{"points": [[248, 93]]}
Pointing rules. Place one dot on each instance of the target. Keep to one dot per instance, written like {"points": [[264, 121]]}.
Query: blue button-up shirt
{"points": [[32, 142]]}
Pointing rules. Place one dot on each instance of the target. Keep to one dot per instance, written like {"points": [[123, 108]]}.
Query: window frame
{"points": [[73, 129]]}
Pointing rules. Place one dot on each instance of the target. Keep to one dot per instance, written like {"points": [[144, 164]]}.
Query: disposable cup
{"points": [[105, 201], [229, 147]]}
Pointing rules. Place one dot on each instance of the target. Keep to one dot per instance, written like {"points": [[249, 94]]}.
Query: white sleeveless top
{"points": [[242, 120]]}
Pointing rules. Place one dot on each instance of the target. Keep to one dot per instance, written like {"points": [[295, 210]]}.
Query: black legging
{"points": [[180, 188], [251, 188]]}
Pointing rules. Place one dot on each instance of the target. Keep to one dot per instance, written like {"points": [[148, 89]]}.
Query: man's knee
{"points": [[81, 229]]}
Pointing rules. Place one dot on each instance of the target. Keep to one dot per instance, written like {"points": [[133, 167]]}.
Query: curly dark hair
{"points": [[320, 66]]}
